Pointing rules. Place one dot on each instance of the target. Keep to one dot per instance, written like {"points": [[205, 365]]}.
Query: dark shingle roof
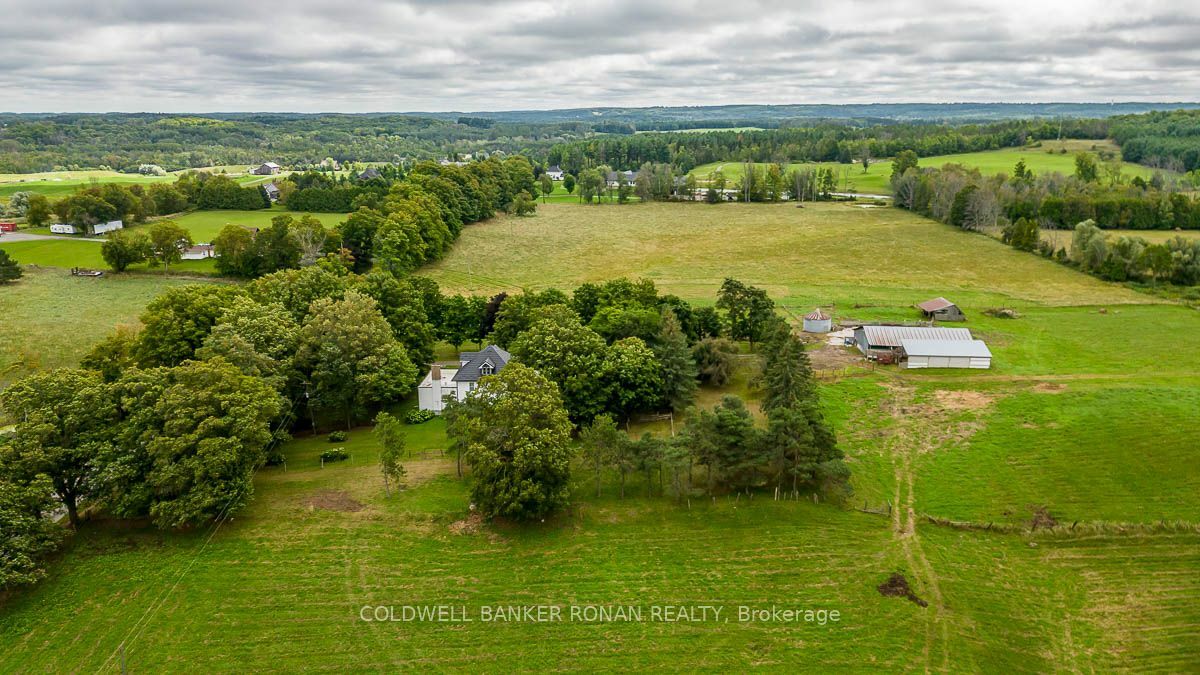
{"points": [[473, 362], [370, 173]]}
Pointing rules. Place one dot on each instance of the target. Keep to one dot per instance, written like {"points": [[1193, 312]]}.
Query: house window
{"points": [[487, 369]]}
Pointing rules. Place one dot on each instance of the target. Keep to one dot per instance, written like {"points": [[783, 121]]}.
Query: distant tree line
{"points": [[1167, 140], [827, 142], [128, 142], [1092, 200]]}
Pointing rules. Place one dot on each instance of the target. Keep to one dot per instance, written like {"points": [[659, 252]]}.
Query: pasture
{"points": [[58, 184], [1044, 159], [262, 595], [1088, 415], [51, 319]]}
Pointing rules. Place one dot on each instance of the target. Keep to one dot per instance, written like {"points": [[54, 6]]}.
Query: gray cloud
{"points": [[316, 55]]}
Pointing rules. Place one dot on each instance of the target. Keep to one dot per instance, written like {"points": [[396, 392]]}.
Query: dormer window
{"points": [[487, 369]]}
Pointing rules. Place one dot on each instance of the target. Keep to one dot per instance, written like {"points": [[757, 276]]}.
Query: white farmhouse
{"points": [[444, 382], [555, 172]]}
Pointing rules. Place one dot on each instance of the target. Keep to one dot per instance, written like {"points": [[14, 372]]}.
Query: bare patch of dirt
{"points": [[830, 357], [334, 500], [469, 525], [1049, 387], [1042, 518], [897, 586], [962, 400]]}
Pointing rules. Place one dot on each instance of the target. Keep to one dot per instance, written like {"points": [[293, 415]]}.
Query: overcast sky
{"points": [[372, 55]]}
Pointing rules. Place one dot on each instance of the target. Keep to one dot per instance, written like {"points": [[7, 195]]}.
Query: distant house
{"points": [[942, 310], [370, 173], [945, 354], [817, 322], [199, 252], [266, 169], [101, 228], [876, 339], [272, 191], [63, 228], [444, 382], [614, 178], [555, 172]]}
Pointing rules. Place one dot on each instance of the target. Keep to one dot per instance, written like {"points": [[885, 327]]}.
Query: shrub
{"points": [[418, 416], [337, 437], [335, 455]]}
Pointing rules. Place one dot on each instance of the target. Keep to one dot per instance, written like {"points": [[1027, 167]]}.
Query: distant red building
{"points": [[8, 227]]}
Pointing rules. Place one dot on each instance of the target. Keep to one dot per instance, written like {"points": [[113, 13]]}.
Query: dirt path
{"points": [[10, 237], [909, 439]]}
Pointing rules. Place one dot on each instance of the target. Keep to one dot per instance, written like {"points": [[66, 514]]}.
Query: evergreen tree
{"points": [[677, 365]]}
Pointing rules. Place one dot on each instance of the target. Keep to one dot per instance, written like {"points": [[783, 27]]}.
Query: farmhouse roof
{"points": [[554, 169], [893, 336], [271, 188], [935, 305], [973, 348], [370, 173], [817, 315], [473, 363]]}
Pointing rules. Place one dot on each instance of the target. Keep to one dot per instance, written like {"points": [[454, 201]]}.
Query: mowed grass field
{"points": [[1089, 414], [49, 319], [58, 184], [875, 180], [282, 586]]}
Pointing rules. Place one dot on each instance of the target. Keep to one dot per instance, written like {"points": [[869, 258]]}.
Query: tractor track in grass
{"points": [[907, 440]]}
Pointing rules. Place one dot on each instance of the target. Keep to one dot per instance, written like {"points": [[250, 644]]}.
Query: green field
{"points": [[67, 252], [1044, 159], [57, 184], [204, 225], [51, 319], [1088, 413]]}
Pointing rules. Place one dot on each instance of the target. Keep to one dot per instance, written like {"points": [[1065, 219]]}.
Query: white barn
{"points": [[946, 354]]}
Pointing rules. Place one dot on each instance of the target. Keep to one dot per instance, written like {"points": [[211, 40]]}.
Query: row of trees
{"points": [[1024, 205], [820, 142], [965, 198]]}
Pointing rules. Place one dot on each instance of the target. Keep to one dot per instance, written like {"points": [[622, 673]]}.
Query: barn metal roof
{"points": [[972, 348], [935, 304], [892, 336]]}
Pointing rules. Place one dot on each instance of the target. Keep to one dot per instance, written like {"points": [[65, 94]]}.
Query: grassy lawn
{"points": [[50, 319], [67, 253], [204, 225], [1044, 159]]}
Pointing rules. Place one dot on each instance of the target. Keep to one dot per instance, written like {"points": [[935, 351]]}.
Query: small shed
{"points": [[942, 310], [817, 322], [946, 354]]}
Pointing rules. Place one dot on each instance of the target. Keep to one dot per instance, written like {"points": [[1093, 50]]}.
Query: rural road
{"points": [[25, 236]]}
